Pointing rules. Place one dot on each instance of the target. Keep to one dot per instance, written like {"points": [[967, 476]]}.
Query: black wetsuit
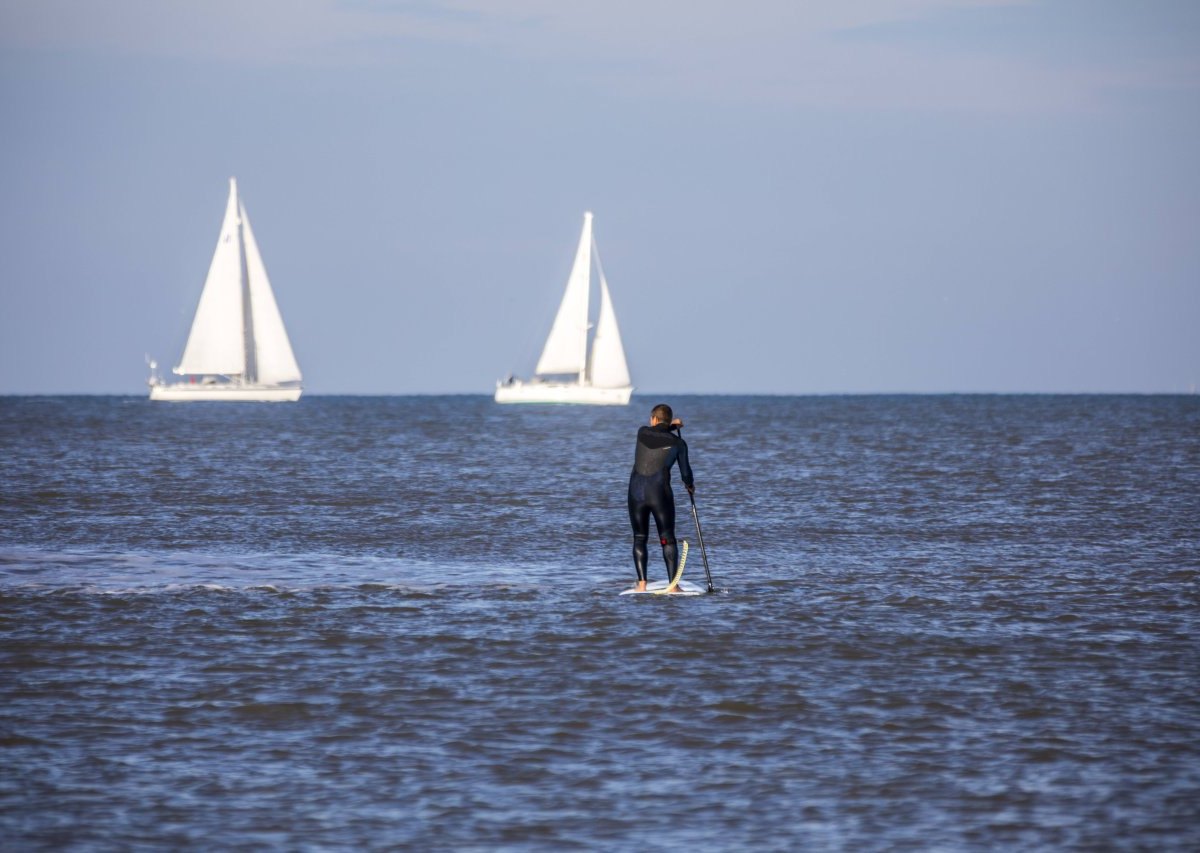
{"points": [[650, 492]]}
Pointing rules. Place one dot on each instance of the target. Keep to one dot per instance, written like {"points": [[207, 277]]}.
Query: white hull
{"points": [[517, 391], [184, 392]]}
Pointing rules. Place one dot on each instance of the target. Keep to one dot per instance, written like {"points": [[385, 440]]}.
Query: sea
{"points": [[938, 623]]}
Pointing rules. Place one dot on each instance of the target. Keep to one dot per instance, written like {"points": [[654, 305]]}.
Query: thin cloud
{"points": [[886, 54]]}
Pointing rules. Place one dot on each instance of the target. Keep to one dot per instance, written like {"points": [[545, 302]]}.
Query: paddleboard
{"points": [[660, 588], [664, 587]]}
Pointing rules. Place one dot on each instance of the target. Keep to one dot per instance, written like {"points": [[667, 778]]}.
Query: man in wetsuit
{"points": [[658, 448]]}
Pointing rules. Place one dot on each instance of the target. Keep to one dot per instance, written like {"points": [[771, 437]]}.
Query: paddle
{"points": [[699, 535]]}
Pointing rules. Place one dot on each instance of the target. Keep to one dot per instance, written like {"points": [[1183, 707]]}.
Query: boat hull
{"points": [[226, 393], [570, 393]]}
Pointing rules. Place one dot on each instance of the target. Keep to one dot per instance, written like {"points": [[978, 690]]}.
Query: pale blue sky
{"points": [[819, 197]]}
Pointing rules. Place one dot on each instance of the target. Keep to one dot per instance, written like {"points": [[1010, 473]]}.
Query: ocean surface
{"points": [[941, 623]]}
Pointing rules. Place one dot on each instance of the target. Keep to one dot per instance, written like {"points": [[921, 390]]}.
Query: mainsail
{"points": [[222, 342], [216, 344], [566, 346]]}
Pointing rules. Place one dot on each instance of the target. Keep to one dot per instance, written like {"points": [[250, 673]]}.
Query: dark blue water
{"points": [[943, 623]]}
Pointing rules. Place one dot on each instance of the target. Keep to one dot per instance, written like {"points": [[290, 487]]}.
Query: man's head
{"points": [[661, 414]]}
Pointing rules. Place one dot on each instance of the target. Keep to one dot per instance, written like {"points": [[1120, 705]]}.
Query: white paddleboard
{"points": [[658, 587]]}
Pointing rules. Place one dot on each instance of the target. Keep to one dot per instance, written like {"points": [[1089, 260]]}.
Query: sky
{"points": [[880, 196]]}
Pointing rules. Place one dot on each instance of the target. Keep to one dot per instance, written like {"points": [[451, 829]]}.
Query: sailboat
{"points": [[238, 349], [599, 375]]}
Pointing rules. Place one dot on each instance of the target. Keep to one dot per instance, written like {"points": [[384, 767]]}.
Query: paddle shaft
{"points": [[700, 536], [699, 533]]}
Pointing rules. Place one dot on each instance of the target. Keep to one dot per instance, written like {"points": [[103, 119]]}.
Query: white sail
{"points": [[608, 368], [216, 343], [275, 363], [566, 347]]}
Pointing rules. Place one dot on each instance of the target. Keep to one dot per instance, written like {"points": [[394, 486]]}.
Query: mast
{"points": [[585, 239], [251, 372]]}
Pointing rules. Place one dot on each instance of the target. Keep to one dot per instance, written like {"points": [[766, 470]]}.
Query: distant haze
{"points": [[819, 197]]}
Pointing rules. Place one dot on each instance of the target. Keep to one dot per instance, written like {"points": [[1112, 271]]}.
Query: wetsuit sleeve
{"points": [[685, 468]]}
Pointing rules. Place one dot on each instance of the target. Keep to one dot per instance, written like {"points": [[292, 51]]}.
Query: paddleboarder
{"points": [[658, 448]]}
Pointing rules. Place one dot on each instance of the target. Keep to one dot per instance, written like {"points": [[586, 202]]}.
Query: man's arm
{"points": [[685, 468]]}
